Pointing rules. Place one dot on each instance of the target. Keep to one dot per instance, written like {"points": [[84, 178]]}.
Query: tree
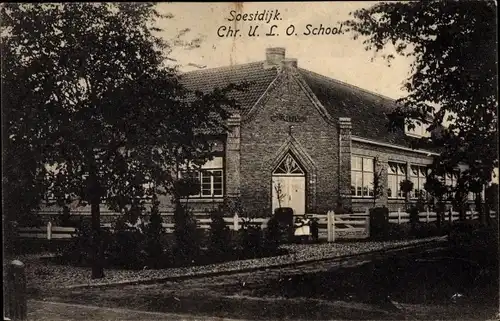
{"points": [[280, 195], [93, 109], [437, 190], [378, 186], [491, 200], [453, 78]]}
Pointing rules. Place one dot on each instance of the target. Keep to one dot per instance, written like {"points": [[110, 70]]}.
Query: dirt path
{"points": [[57, 311], [266, 294]]}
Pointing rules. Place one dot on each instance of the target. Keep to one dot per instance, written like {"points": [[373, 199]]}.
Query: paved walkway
{"points": [[56, 311]]}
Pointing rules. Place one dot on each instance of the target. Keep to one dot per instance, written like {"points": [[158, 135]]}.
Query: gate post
{"points": [[15, 295], [236, 222]]}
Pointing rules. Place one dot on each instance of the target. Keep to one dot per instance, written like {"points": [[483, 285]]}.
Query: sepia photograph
{"points": [[250, 160]]}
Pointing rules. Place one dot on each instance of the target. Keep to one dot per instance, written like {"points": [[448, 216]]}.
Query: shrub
{"points": [[187, 239], [154, 233], [414, 217], [79, 249], [64, 217], [284, 218], [251, 240], [379, 222], [440, 213], [127, 248], [219, 234], [273, 234], [315, 229]]}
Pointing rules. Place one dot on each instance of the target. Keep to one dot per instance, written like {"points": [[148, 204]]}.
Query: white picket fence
{"points": [[50, 232], [331, 226]]}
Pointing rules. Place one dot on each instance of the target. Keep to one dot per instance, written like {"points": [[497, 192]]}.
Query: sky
{"points": [[337, 56]]}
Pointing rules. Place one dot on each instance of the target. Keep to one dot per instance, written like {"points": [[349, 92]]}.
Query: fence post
{"points": [[399, 215], [367, 226], [328, 226], [236, 222], [427, 217], [49, 230], [16, 292], [367, 211], [331, 226], [450, 215]]}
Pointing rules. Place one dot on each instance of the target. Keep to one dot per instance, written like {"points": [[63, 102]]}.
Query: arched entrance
{"points": [[289, 185]]}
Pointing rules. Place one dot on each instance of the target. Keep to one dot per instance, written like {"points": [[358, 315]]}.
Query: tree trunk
{"points": [[97, 249], [479, 208], [97, 260]]}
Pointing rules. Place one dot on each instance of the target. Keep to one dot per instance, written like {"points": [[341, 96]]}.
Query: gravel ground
{"points": [[42, 275]]}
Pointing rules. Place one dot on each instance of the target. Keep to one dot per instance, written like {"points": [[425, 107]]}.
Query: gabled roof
{"points": [[367, 110], [254, 73]]}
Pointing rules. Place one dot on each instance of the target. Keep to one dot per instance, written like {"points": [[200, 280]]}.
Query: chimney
{"points": [[274, 57], [290, 62]]}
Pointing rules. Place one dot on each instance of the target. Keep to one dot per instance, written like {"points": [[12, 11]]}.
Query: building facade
{"points": [[305, 141]]}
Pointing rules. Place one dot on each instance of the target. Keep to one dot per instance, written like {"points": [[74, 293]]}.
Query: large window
{"points": [[362, 176], [396, 173], [211, 178], [418, 175]]}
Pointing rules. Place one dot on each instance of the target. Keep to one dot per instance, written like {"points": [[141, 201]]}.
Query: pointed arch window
{"points": [[289, 166]]}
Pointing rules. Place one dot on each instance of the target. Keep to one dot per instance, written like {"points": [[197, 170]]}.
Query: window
{"points": [[211, 178], [418, 175], [450, 180], [420, 130], [362, 176], [396, 173]]}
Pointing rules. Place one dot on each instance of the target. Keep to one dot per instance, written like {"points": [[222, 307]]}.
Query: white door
{"points": [[289, 186]]}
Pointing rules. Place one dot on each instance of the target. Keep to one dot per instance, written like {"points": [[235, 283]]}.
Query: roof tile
{"points": [[367, 110]]}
